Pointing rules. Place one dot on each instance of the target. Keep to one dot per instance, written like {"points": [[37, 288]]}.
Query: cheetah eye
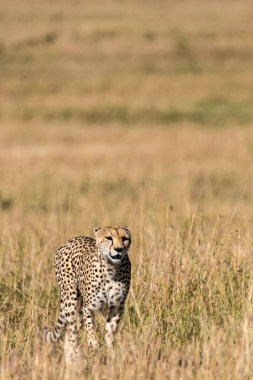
{"points": [[124, 238], [109, 238]]}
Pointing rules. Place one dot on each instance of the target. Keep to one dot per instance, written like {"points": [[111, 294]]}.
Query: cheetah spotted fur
{"points": [[93, 275]]}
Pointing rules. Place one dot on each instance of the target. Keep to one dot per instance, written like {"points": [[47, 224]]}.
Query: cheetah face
{"points": [[113, 242]]}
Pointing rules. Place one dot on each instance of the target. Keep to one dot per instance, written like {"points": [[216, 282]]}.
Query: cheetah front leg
{"points": [[89, 320], [112, 324]]}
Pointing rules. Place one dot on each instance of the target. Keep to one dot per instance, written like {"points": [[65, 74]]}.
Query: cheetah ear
{"points": [[127, 230], [96, 229]]}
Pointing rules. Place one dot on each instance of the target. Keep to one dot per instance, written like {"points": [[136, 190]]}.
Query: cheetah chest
{"points": [[103, 289], [102, 286], [109, 294]]}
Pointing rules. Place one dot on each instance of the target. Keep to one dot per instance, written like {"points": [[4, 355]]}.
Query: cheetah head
{"points": [[113, 242]]}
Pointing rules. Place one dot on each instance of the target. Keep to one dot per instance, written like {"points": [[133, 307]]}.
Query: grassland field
{"points": [[133, 113]]}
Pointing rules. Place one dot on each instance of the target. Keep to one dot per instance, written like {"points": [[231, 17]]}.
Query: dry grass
{"points": [[109, 114]]}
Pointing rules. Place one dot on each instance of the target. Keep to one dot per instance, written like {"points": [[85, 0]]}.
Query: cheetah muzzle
{"points": [[93, 275]]}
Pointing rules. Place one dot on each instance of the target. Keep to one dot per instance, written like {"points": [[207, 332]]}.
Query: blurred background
{"points": [[106, 105]]}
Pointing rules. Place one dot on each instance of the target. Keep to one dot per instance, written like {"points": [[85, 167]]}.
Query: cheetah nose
{"points": [[118, 249]]}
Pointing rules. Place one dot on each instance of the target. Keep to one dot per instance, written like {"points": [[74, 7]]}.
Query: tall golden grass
{"points": [[130, 113]]}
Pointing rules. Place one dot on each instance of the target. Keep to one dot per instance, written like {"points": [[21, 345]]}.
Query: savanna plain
{"points": [[134, 113]]}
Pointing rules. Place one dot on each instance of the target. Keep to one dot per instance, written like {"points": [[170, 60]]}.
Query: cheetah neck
{"points": [[110, 269]]}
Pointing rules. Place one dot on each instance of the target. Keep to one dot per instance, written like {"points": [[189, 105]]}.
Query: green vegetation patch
{"points": [[211, 112]]}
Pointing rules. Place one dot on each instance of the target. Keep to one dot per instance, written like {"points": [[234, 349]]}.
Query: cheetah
{"points": [[93, 275]]}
